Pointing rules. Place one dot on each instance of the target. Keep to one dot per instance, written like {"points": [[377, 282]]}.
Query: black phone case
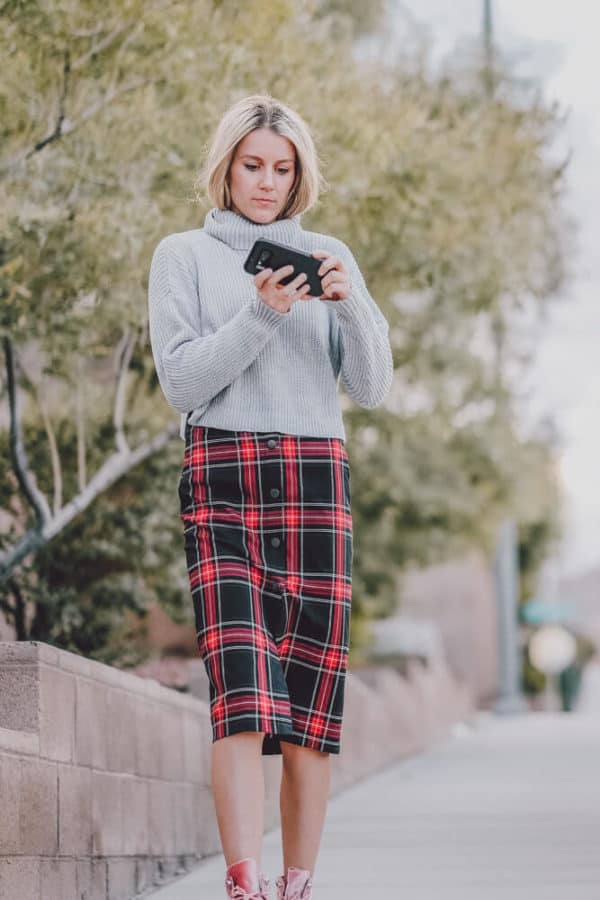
{"points": [[281, 255]]}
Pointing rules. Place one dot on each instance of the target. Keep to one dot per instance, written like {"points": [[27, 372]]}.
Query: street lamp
{"points": [[551, 649]]}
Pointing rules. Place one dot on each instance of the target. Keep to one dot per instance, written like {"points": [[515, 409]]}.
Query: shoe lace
{"points": [[237, 892], [297, 895]]}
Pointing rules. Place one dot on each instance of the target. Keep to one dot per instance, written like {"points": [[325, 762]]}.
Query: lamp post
{"points": [[506, 566], [506, 570]]}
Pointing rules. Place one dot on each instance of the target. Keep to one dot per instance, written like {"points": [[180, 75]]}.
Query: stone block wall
{"points": [[105, 786], [104, 778]]}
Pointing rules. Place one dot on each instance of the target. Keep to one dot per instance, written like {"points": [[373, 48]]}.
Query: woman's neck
{"points": [[239, 232]]}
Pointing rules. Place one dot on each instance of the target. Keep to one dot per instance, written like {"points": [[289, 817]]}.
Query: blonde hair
{"points": [[248, 114]]}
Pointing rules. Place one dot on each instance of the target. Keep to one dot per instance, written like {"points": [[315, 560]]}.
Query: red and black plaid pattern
{"points": [[268, 543]]}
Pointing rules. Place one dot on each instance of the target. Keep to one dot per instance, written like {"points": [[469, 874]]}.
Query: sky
{"points": [[556, 43]]}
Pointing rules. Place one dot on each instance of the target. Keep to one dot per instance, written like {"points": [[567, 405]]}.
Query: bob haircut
{"points": [[249, 113]]}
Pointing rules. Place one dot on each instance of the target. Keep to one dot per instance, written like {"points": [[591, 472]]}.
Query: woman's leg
{"points": [[239, 794], [303, 798]]}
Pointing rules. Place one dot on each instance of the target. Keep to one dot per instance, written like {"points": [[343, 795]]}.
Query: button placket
{"points": [[272, 443]]}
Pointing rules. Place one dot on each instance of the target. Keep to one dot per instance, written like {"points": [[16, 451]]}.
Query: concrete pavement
{"points": [[505, 809], [588, 700]]}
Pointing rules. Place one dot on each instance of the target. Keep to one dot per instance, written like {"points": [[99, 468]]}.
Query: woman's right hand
{"points": [[281, 296]]}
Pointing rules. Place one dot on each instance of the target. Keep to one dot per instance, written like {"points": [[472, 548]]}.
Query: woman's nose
{"points": [[267, 179]]}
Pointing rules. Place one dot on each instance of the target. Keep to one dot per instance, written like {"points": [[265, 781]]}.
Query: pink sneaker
{"points": [[244, 882], [298, 887]]}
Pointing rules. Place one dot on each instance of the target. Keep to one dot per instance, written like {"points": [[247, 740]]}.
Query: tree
{"points": [[106, 110]]}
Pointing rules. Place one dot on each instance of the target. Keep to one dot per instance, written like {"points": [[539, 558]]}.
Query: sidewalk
{"points": [[506, 810], [589, 696]]}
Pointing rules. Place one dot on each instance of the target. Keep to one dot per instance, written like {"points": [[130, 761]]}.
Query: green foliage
{"points": [[448, 199], [362, 18], [124, 554]]}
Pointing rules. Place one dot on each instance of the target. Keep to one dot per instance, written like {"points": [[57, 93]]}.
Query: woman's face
{"points": [[263, 169]]}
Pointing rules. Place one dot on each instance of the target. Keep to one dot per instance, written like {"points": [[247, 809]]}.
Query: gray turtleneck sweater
{"points": [[231, 361]]}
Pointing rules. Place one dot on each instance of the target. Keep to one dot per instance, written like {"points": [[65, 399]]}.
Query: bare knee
{"points": [[296, 755], [242, 742]]}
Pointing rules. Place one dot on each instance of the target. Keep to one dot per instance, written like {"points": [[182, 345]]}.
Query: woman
{"points": [[253, 366]]}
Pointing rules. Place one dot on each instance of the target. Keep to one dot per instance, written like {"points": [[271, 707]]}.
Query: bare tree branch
{"points": [[129, 341], [64, 125], [38, 392], [117, 465], [25, 476], [112, 36], [80, 425], [88, 32], [68, 126], [54, 456], [98, 46], [57, 131]]}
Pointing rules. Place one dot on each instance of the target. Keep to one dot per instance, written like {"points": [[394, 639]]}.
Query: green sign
{"points": [[543, 612]]}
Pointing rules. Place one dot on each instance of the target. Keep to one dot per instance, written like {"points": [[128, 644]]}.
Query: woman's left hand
{"points": [[334, 277]]}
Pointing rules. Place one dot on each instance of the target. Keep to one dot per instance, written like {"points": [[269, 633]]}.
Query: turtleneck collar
{"points": [[240, 233]]}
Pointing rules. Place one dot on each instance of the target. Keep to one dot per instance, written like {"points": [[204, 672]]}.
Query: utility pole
{"points": [[487, 27], [506, 563], [488, 47]]}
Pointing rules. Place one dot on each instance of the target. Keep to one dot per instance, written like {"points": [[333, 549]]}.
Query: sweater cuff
{"points": [[349, 309], [265, 313]]}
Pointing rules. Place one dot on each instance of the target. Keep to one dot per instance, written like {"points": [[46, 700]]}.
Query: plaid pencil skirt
{"points": [[268, 543]]}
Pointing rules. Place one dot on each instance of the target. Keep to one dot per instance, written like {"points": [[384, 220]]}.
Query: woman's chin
{"points": [[260, 214]]}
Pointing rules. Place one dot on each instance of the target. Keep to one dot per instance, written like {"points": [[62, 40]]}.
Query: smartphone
{"points": [[267, 254]]}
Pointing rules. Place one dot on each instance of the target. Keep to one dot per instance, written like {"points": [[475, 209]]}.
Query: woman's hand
{"points": [[281, 296], [336, 280]]}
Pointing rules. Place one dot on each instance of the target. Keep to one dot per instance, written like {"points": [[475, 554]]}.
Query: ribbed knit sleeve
{"points": [[367, 364], [193, 368]]}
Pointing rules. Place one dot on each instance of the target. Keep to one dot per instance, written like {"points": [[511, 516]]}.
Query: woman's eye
{"points": [[252, 168]]}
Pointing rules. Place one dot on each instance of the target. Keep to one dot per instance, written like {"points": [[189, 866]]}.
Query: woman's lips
{"points": [[263, 200]]}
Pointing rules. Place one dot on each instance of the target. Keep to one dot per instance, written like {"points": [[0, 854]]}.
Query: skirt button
{"points": [[275, 542], [274, 492], [271, 443]]}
